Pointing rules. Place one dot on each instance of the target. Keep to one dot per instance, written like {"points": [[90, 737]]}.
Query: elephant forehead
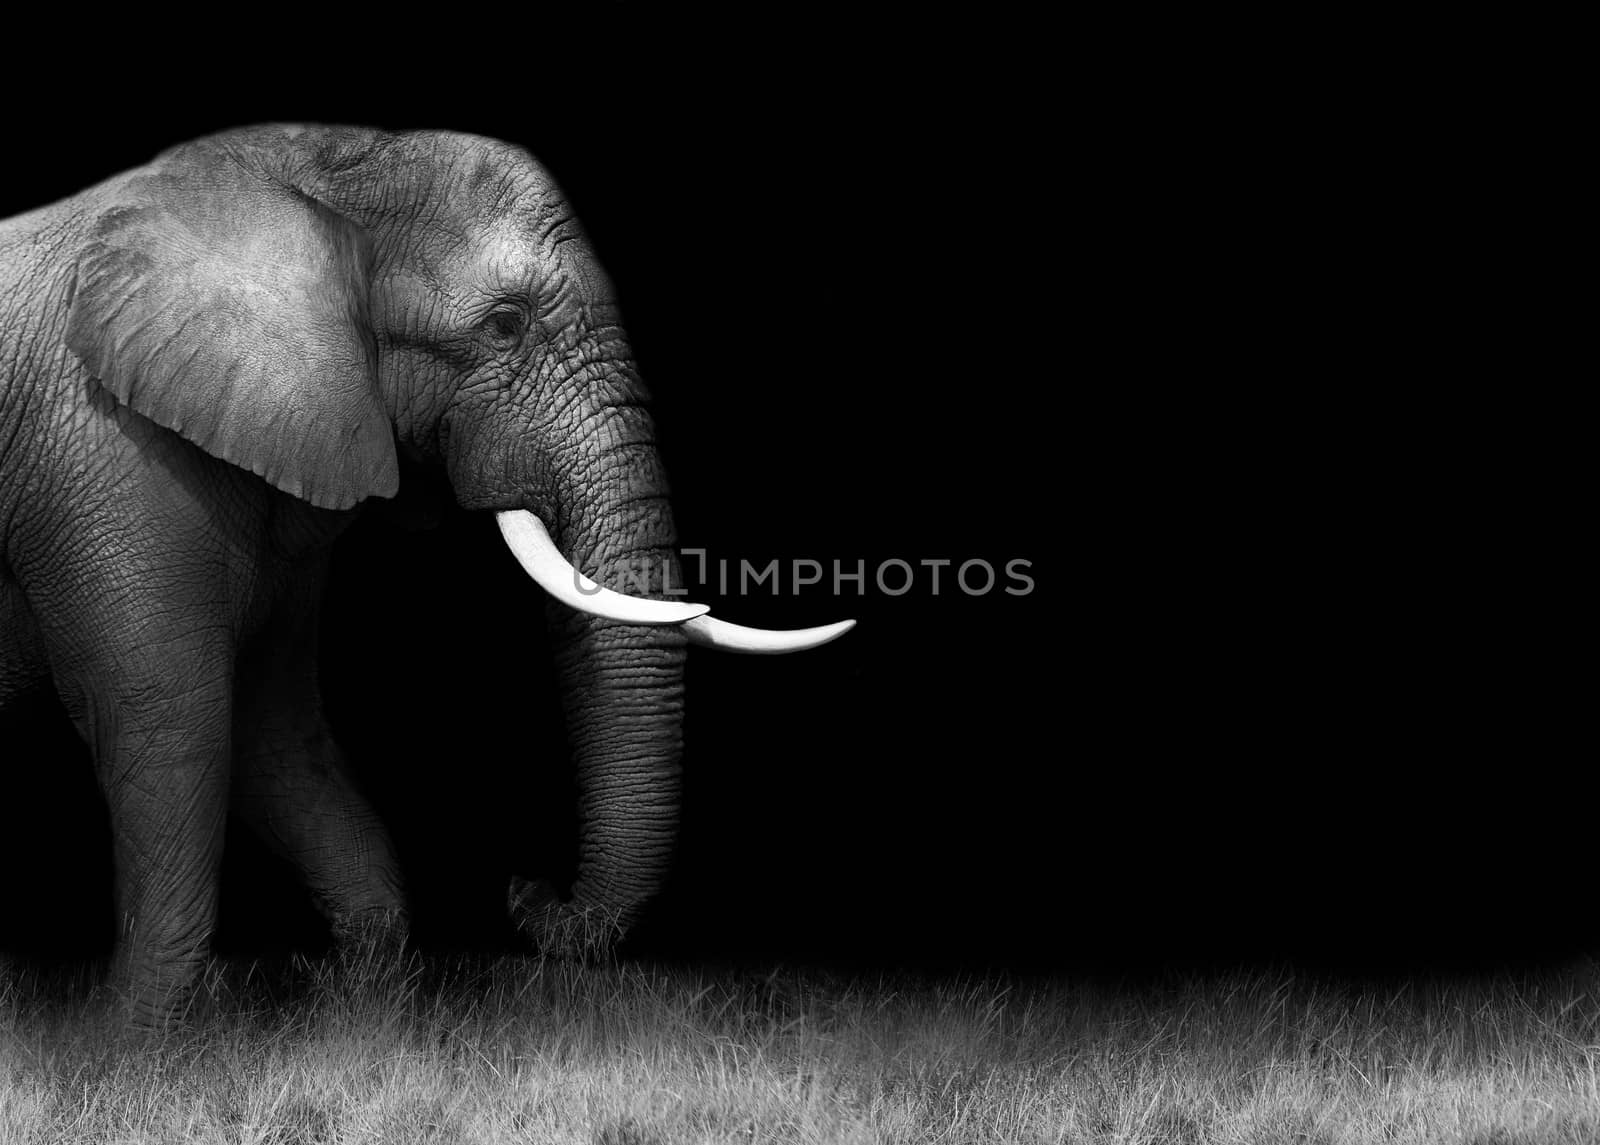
{"points": [[506, 251], [552, 264], [505, 188], [468, 256]]}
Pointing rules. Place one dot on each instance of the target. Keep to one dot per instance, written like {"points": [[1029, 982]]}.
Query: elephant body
{"points": [[207, 366]]}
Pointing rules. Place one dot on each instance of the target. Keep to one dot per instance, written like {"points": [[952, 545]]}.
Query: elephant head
{"points": [[304, 302]]}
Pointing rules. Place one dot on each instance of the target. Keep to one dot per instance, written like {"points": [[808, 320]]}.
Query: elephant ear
{"points": [[232, 309]]}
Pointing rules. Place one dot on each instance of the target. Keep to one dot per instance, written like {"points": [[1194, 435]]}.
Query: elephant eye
{"points": [[503, 327]]}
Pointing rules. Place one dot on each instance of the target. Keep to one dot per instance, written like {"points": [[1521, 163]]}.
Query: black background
{"points": [[918, 292]]}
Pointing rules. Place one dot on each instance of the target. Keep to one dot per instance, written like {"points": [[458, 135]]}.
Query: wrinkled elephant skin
{"points": [[210, 363]]}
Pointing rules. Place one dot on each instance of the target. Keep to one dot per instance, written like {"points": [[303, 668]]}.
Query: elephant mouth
{"points": [[530, 542]]}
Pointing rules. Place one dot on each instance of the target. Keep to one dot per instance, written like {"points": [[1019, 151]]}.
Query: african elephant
{"points": [[209, 364]]}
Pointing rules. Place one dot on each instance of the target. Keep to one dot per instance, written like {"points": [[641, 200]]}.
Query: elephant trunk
{"points": [[621, 686], [623, 700], [599, 517]]}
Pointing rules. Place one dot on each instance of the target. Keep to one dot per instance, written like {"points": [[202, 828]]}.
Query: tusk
{"points": [[530, 543], [709, 632]]}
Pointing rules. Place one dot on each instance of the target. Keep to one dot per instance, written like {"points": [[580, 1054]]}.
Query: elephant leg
{"points": [[293, 786], [156, 715], [167, 877]]}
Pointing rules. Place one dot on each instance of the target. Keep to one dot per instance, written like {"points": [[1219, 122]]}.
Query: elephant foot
{"points": [[157, 995], [374, 938], [584, 932]]}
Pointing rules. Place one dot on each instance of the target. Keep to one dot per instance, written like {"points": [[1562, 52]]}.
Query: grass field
{"points": [[524, 1051]]}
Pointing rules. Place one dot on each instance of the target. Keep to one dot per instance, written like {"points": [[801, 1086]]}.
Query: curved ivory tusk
{"points": [[709, 632], [530, 543]]}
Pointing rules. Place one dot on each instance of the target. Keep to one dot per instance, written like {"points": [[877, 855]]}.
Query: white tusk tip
{"points": [[709, 632]]}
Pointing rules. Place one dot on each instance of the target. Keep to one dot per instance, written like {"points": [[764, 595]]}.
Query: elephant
{"points": [[210, 365]]}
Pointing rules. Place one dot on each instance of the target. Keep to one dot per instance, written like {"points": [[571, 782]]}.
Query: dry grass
{"points": [[529, 1051]]}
